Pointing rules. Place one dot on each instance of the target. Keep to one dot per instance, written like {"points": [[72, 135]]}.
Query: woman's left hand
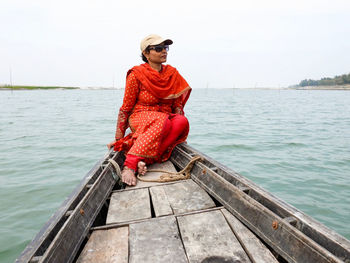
{"points": [[111, 144]]}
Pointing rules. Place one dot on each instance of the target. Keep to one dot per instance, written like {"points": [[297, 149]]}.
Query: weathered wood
{"points": [[47, 233], [291, 220], [319, 233], [69, 213], [106, 246], [68, 240], [166, 166], [160, 201], [127, 223], [187, 196], [143, 187], [129, 205], [156, 241], [208, 238], [288, 241], [297, 237], [255, 249], [35, 259]]}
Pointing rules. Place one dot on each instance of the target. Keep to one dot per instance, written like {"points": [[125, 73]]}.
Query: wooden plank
{"points": [[187, 196], [129, 205], [256, 250], [127, 223], [167, 166], [160, 201], [106, 246], [285, 239], [156, 241], [208, 238], [131, 189], [319, 233], [47, 233]]}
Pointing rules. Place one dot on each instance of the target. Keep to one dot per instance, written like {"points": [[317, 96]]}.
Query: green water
{"points": [[295, 144]]}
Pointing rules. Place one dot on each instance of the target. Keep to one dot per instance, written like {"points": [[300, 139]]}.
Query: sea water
{"points": [[293, 143]]}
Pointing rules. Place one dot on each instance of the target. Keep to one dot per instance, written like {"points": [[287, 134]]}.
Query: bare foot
{"points": [[128, 176], [141, 168]]}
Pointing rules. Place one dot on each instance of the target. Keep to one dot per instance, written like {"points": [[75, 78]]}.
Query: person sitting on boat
{"points": [[154, 98]]}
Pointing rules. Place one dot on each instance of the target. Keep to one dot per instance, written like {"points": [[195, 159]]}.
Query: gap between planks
{"points": [[115, 225], [131, 189]]}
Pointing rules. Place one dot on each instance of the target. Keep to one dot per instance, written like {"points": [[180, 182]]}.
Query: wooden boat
{"points": [[216, 216]]}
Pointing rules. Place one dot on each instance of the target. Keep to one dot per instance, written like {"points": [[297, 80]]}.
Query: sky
{"points": [[217, 44]]}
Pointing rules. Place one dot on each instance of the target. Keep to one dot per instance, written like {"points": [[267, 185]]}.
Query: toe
{"points": [[142, 168]]}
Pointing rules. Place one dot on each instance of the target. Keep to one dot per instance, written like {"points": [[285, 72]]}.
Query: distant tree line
{"points": [[337, 80]]}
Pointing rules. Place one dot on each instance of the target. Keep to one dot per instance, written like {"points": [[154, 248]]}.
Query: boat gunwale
{"points": [[310, 228], [43, 239]]}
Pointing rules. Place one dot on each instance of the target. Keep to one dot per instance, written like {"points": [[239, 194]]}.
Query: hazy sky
{"points": [[223, 44]]}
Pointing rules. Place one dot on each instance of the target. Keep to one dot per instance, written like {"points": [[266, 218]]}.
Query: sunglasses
{"points": [[159, 48]]}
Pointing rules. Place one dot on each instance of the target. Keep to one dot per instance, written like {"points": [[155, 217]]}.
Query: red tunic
{"points": [[146, 115]]}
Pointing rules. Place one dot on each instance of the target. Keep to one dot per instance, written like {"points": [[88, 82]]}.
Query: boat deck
{"points": [[216, 216], [171, 222]]}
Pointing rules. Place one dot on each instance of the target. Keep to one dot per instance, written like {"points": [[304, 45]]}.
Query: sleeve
{"points": [[132, 89], [177, 106]]}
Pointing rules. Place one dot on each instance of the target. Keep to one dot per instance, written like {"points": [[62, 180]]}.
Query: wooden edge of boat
{"points": [[270, 218], [288, 231], [47, 234]]}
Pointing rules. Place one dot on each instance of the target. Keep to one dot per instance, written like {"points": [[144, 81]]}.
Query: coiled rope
{"points": [[184, 174]]}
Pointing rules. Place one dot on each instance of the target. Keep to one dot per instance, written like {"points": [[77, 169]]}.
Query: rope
{"points": [[116, 167], [184, 174]]}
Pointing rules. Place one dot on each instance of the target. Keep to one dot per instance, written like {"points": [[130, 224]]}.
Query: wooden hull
{"points": [[294, 236], [291, 233]]}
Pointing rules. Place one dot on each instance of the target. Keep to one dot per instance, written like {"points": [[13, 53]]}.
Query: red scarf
{"points": [[166, 84]]}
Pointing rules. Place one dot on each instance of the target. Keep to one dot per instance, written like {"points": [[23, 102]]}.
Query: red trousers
{"points": [[172, 130]]}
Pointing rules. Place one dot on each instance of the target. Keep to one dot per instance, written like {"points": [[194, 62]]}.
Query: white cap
{"points": [[151, 40]]}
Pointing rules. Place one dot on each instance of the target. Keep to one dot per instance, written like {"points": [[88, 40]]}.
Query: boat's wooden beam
{"points": [[48, 241], [35, 259], [286, 239], [252, 245], [244, 188], [131, 189], [116, 225], [68, 213], [200, 211], [68, 240], [214, 169], [291, 220], [318, 232], [43, 239]]}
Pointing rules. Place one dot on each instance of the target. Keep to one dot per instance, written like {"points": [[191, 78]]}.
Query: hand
{"points": [[111, 144]]}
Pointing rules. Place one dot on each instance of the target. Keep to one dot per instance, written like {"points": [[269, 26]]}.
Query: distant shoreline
{"points": [[8, 87], [333, 87]]}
